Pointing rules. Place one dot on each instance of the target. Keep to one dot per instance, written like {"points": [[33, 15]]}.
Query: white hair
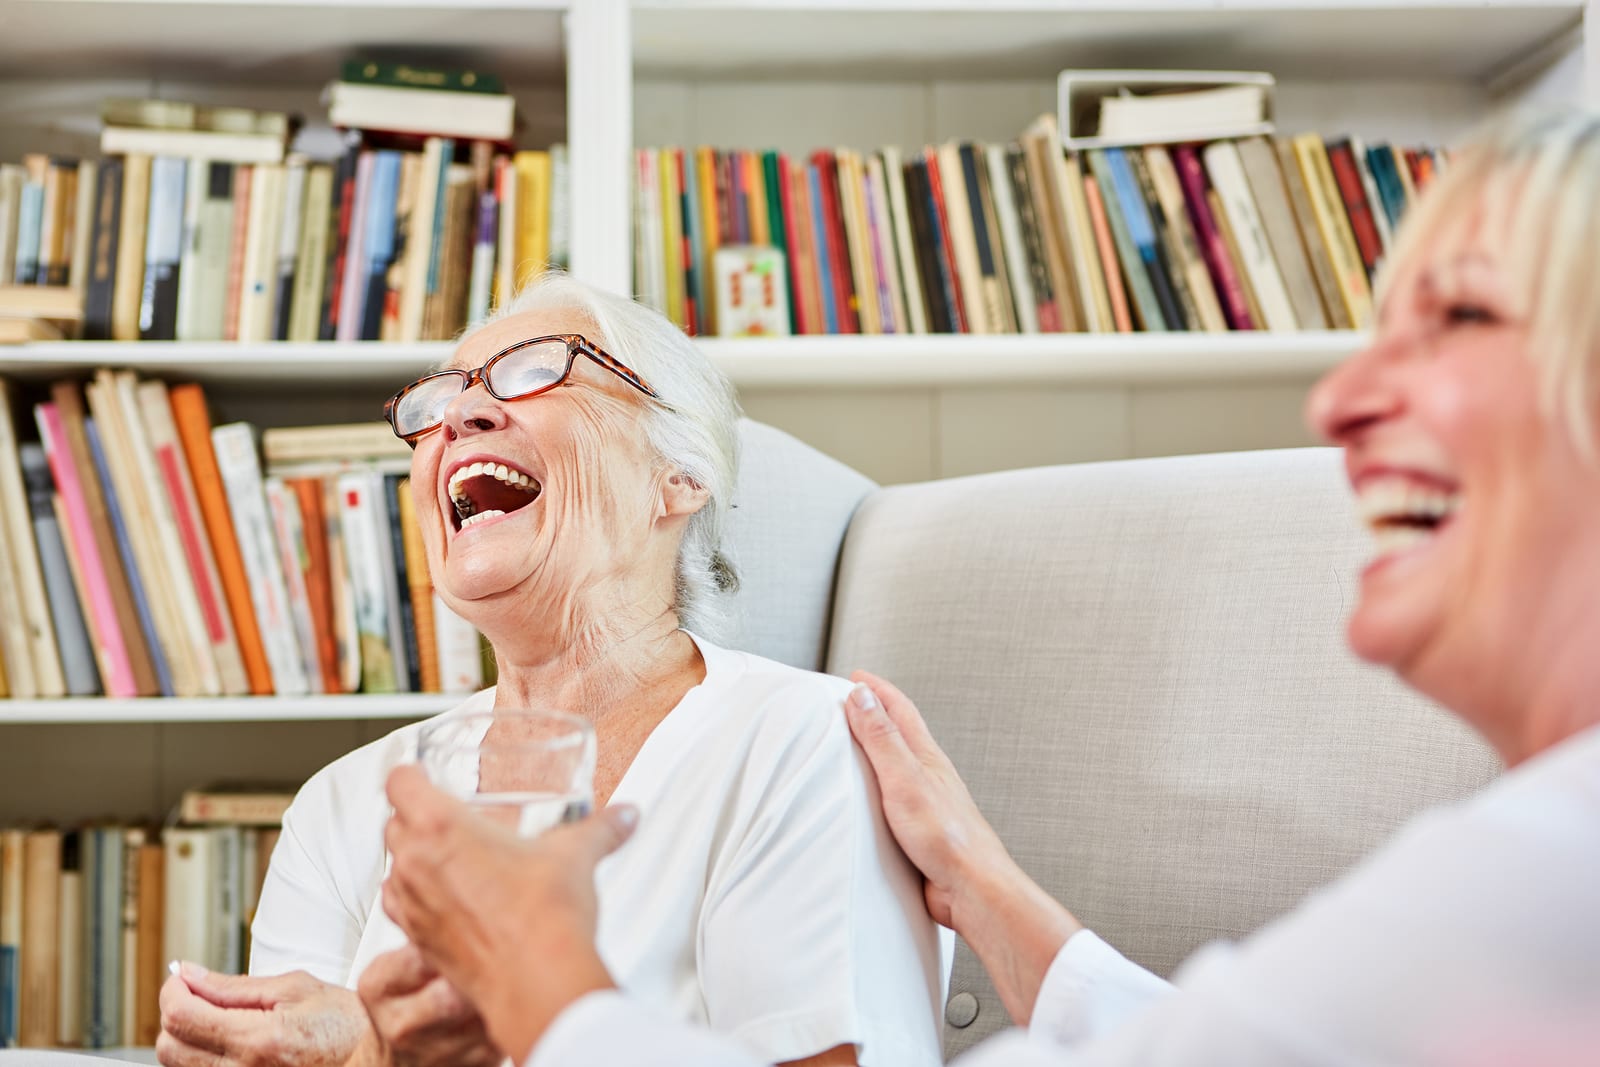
{"points": [[1530, 182], [693, 428]]}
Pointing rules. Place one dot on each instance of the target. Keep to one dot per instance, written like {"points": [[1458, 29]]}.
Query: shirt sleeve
{"points": [[849, 955], [307, 919], [1090, 990]]}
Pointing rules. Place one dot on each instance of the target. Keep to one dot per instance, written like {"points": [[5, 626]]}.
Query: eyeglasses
{"points": [[526, 369]]}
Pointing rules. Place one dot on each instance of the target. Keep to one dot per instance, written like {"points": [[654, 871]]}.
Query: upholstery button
{"points": [[962, 1009]]}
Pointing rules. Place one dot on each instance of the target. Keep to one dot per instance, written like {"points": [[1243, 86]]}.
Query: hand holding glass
{"points": [[529, 770]]}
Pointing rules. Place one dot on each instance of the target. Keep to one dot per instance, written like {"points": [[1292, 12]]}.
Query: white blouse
{"points": [[761, 896]]}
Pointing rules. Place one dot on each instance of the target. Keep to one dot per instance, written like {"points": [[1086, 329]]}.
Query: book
{"points": [[12, 178], [1051, 203], [1333, 225], [412, 76], [363, 516], [1229, 285], [238, 805], [290, 217], [1109, 108], [1260, 163], [423, 239], [69, 944], [436, 112], [1369, 185], [1188, 258], [69, 631], [904, 241], [1227, 174], [193, 144], [1168, 249], [1135, 241], [379, 248], [238, 248], [258, 286], [193, 425], [1352, 192], [12, 843], [40, 964], [1012, 245], [319, 579], [149, 970], [207, 235], [81, 233], [1322, 272], [1106, 251], [957, 212], [30, 633], [289, 534], [128, 283], [239, 467]]}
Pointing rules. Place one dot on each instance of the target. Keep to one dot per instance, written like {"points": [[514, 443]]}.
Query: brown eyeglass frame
{"points": [[576, 344]]}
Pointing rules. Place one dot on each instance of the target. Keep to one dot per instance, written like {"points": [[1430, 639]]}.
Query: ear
{"points": [[682, 496]]}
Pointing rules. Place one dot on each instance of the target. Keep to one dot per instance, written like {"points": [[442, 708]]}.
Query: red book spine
{"points": [[1192, 176], [691, 276], [1342, 160], [958, 310], [843, 295], [347, 202]]}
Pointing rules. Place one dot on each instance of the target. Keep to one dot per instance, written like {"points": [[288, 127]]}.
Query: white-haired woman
{"points": [[1469, 427], [766, 899]]}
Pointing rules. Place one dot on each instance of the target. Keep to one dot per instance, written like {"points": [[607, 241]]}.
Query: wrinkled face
{"points": [[525, 503], [1482, 512]]}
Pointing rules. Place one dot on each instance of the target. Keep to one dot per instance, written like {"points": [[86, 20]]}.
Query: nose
{"points": [[473, 410], [1354, 396]]}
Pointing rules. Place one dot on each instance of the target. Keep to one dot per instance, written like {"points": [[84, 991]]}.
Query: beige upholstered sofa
{"points": [[1139, 667]]}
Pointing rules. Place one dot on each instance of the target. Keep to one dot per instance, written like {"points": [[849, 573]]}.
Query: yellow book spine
{"points": [[705, 176], [1334, 227], [533, 214]]}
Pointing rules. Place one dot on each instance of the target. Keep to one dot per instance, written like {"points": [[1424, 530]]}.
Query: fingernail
{"points": [[863, 698], [192, 970], [174, 967], [627, 816]]}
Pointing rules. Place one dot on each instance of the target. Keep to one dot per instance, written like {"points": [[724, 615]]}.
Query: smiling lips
{"points": [[484, 490], [1403, 512]]}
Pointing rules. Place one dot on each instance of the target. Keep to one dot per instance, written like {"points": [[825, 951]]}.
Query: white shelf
{"points": [[101, 711], [815, 361], [1075, 359], [282, 42], [1409, 40]]}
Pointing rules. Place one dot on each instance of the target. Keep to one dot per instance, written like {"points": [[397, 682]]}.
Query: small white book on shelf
{"points": [[1115, 108]]}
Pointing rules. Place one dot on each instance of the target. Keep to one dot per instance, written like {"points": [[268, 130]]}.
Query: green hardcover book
{"points": [[775, 221], [409, 76]]}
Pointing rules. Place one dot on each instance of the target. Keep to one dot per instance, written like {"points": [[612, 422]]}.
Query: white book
{"points": [[459, 648], [652, 282], [164, 525], [225, 930], [474, 116], [289, 526], [69, 951], [963, 241], [1064, 180], [210, 600], [1369, 186], [187, 904], [560, 206], [257, 289], [1228, 179], [311, 258], [905, 248], [1005, 209], [192, 144], [506, 275], [1156, 116], [344, 604], [235, 446]]}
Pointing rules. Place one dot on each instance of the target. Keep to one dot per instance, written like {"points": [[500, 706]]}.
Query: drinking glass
{"points": [[527, 769]]}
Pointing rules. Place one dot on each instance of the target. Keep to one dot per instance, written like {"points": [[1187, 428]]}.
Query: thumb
{"points": [[879, 736], [235, 990]]}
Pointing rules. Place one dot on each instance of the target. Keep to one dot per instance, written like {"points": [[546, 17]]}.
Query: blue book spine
{"points": [[379, 240], [141, 603], [1392, 195], [71, 631], [1142, 231], [694, 237], [819, 241], [10, 996], [940, 243]]}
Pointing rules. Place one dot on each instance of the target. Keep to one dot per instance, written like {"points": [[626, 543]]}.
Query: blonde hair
{"points": [[694, 429], [1530, 182]]}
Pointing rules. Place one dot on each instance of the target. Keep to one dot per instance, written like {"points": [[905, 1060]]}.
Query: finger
{"points": [[880, 738], [242, 990], [415, 800], [604, 832], [173, 1052], [902, 712], [394, 974], [192, 1020]]}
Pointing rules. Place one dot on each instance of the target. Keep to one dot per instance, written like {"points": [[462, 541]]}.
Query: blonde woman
{"points": [[1469, 427]]}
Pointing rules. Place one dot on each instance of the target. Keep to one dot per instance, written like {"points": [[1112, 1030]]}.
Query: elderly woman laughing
{"points": [[572, 470]]}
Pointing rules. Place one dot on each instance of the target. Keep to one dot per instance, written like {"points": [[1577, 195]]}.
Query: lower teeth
{"points": [[473, 520]]}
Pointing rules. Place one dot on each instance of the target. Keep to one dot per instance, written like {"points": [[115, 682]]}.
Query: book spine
{"points": [[846, 298], [38, 1018], [136, 188], [69, 944], [290, 216], [1334, 225], [379, 248], [1230, 289], [353, 286], [339, 218], [103, 253], [362, 538], [1135, 261], [819, 230], [289, 530], [954, 292], [420, 592], [1168, 252], [1228, 179], [1106, 250], [69, 634], [319, 579], [1266, 182], [402, 618], [459, 650], [1341, 158], [163, 250], [1333, 306], [1169, 192], [245, 193], [11, 886], [911, 279]]}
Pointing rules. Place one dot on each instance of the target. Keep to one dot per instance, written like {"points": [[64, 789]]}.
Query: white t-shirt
{"points": [[761, 895], [1473, 921]]}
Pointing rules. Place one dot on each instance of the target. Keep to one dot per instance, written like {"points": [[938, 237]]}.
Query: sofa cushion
{"points": [[791, 507], [1140, 670]]}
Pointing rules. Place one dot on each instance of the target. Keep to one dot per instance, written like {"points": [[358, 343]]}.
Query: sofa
{"points": [[1139, 668]]}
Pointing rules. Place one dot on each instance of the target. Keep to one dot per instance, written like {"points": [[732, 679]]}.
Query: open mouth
{"points": [[487, 490], [1404, 514]]}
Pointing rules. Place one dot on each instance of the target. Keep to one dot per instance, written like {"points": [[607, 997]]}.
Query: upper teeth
{"points": [[498, 471], [1393, 500]]}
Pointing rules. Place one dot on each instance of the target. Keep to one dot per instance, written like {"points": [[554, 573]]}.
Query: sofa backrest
{"points": [[791, 508], [1140, 670]]}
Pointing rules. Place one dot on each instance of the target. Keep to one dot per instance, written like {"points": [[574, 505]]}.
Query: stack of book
{"points": [[147, 553], [90, 916], [1275, 233], [198, 225]]}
